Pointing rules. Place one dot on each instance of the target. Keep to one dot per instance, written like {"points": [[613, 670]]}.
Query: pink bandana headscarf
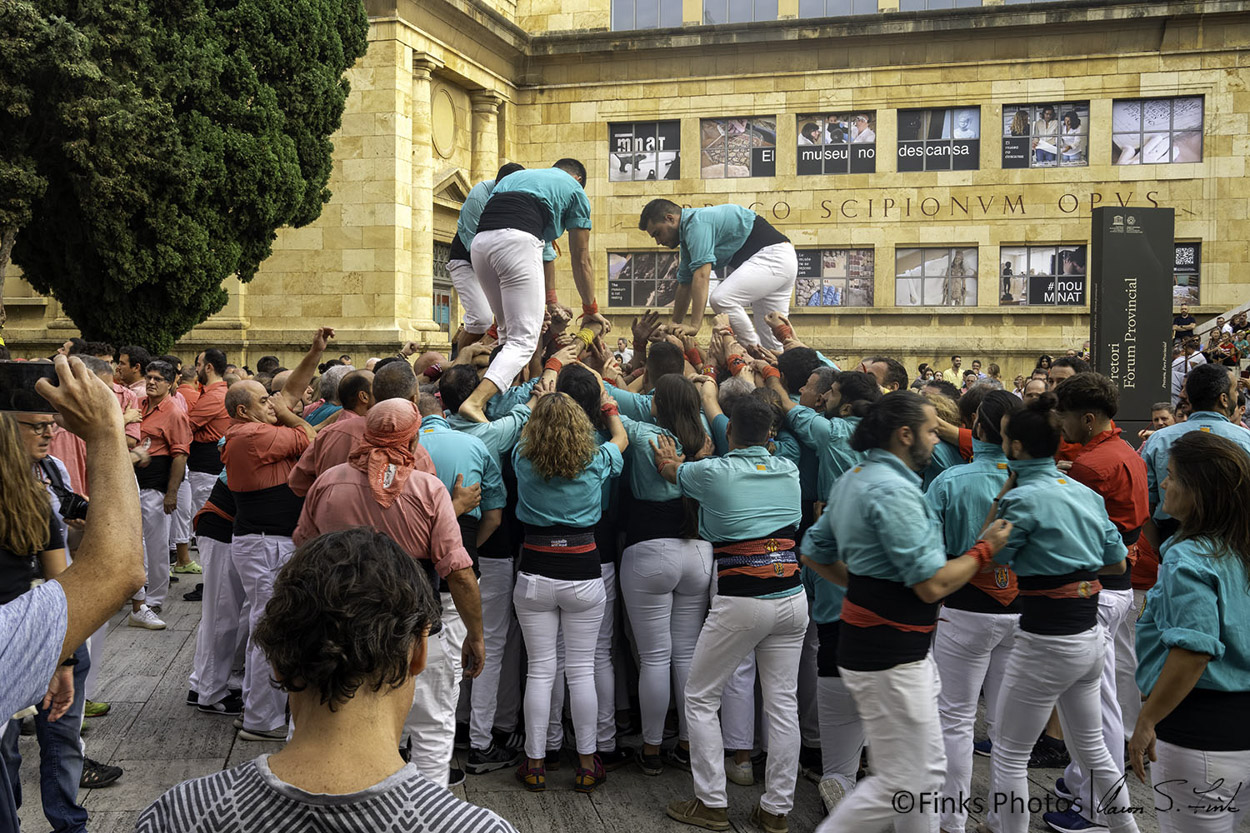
{"points": [[385, 452]]}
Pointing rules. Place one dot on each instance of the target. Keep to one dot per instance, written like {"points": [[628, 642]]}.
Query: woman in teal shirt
{"points": [[560, 468], [1193, 643]]}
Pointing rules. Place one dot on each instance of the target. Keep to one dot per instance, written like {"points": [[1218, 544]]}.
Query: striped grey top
{"points": [[251, 799]]}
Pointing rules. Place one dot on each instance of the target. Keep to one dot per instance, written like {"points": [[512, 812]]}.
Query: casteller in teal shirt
{"points": [[471, 212], [711, 235], [1158, 448], [561, 501], [561, 194]]}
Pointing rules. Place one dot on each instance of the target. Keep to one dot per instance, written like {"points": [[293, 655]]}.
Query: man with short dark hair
{"points": [[1183, 325], [1065, 367], [719, 237], [268, 364], [1188, 359], [953, 374], [749, 505], [357, 594], [132, 363]]}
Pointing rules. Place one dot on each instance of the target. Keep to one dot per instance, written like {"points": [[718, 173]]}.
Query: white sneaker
{"points": [[743, 773], [831, 792], [145, 618]]}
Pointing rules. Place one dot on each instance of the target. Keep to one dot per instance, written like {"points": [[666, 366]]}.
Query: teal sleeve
{"points": [[549, 252], [1188, 611], [693, 479], [698, 241], [610, 460], [826, 361], [935, 496], [577, 215], [811, 429], [633, 405], [720, 434], [685, 274], [1021, 524], [494, 494], [787, 446], [1152, 481], [1113, 549], [914, 548], [819, 543]]}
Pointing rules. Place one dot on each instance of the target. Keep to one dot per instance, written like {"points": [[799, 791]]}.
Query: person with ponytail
{"points": [[978, 624], [666, 568], [1061, 541], [1193, 647], [896, 575], [561, 467]]}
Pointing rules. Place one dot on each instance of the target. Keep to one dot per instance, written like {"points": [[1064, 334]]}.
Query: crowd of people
{"points": [[760, 562]]}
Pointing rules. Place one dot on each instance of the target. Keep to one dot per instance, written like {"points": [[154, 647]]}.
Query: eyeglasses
{"points": [[38, 428]]}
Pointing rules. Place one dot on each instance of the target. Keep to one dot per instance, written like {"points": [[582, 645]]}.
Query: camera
{"points": [[73, 506]]}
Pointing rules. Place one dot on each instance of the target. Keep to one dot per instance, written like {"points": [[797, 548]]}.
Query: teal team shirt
{"points": [[711, 235], [456, 453], [471, 213], [1059, 526], [945, 456], [746, 495], [1157, 449], [830, 440], [1200, 604], [961, 496], [645, 481], [879, 524], [499, 435], [826, 596], [575, 502], [564, 198]]}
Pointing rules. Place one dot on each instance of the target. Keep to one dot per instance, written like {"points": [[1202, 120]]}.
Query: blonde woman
{"points": [[561, 467]]}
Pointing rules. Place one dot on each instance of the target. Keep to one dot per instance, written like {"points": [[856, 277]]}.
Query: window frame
{"points": [[663, 130], [726, 136], [728, 4], [631, 255], [824, 4], [1010, 141], [1031, 286], [660, 7], [925, 278], [1194, 273], [925, 125], [855, 163], [863, 272], [1172, 132]]}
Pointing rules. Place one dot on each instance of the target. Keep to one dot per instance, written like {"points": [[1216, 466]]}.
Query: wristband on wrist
{"points": [[785, 332], [590, 309], [694, 357], [709, 370], [433, 372], [609, 409], [770, 372], [982, 552], [735, 364], [660, 466], [586, 336], [552, 297], [553, 364]]}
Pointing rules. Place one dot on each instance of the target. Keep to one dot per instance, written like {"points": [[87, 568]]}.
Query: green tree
{"points": [[205, 129]]}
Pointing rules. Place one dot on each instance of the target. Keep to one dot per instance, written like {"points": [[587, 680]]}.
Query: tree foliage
{"points": [[192, 132]]}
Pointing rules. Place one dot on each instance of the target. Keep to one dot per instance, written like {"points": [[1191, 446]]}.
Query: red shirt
{"points": [[208, 416], [1068, 452], [422, 520], [1110, 466], [1146, 567], [165, 430], [258, 455], [189, 393], [334, 444]]}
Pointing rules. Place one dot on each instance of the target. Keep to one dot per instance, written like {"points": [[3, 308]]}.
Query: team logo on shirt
{"points": [[1002, 466], [1062, 482], [779, 569], [771, 545], [1001, 577], [1205, 429], [1084, 589], [760, 467]]}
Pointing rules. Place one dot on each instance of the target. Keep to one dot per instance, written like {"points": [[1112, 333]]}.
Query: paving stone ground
{"points": [[159, 741]]}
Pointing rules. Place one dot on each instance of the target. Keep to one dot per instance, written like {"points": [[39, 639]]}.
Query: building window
{"points": [[1153, 131], [738, 147], [1185, 275], [442, 287], [1046, 135], [939, 140], [838, 143], [642, 279], [836, 8], [834, 278], [738, 11], [945, 277], [644, 150], [926, 5], [1042, 276], [645, 14]]}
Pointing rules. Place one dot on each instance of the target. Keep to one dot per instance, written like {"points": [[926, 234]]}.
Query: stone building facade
{"points": [[936, 167]]}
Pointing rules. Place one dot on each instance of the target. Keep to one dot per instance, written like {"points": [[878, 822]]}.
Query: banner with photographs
{"points": [[644, 150], [945, 277], [1046, 135], [838, 143], [642, 279], [1156, 131], [1185, 275], [834, 278], [738, 147], [1042, 276], [939, 140]]}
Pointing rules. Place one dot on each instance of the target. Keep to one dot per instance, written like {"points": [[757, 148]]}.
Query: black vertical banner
{"points": [[1131, 307]]}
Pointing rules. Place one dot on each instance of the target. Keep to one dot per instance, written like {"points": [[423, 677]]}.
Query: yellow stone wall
{"points": [[451, 88]]}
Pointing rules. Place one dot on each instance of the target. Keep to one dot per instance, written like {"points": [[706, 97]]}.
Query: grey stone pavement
{"points": [[160, 741]]}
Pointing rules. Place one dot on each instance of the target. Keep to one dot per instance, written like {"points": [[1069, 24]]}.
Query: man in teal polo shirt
{"points": [[526, 211], [763, 259]]}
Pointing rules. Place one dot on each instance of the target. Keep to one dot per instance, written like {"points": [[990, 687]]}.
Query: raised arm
{"points": [[301, 377]]}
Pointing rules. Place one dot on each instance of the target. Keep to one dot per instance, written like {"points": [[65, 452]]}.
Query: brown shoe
{"points": [[697, 813], [769, 822]]}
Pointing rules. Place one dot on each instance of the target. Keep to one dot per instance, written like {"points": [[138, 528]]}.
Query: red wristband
{"points": [[982, 553], [552, 297], [609, 409], [590, 309], [785, 332], [659, 467], [636, 373], [770, 372], [553, 364], [493, 332], [693, 356], [735, 364]]}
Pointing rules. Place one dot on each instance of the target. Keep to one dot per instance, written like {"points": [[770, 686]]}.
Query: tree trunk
{"points": [[8, 236]]}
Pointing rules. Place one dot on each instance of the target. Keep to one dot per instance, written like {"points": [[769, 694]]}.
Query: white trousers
{"points": [[180, 519], [155, 544], [1114, 607], [1126, 664], [735, 627], [509, 266], [665, 585], [971, 651], [1042, 672], [431, 722], [544, 606], [495, 586], [899, 707], [737, 706], [477, 315], [809, 715], [605, 676], [765, 283], [222, 625], [841, 731], [202, 483], [258, 558], [1196, 791]]}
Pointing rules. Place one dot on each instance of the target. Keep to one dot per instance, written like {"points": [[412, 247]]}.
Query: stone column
{"points": [[485, 134], [424, 66]]}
